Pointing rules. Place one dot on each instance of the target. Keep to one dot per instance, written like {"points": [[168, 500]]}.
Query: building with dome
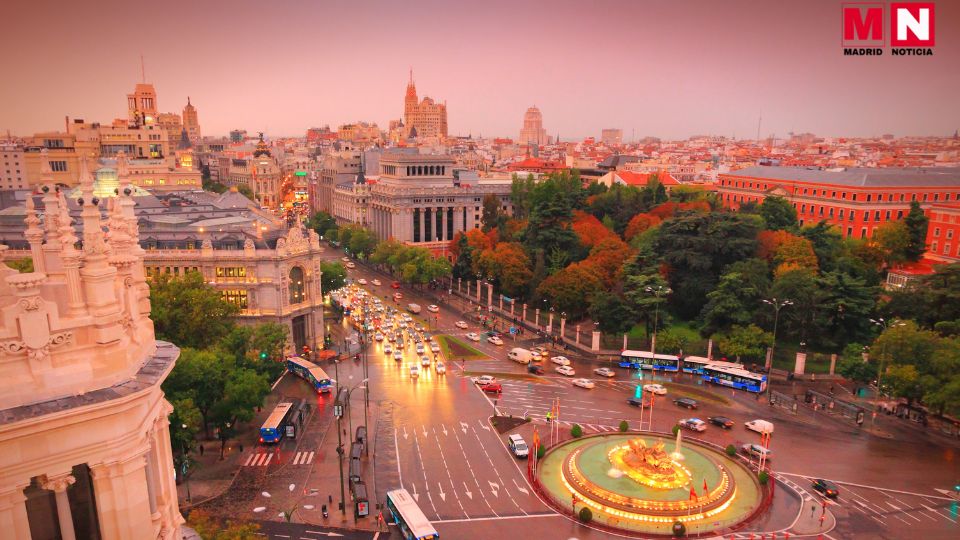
{"points": [[423, 119], [84, 438]]}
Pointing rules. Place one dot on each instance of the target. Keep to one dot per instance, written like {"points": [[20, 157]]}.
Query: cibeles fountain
{"points": [[645, 482]]}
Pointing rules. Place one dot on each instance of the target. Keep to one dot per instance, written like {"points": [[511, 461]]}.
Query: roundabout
{"points": [[644, 483]]}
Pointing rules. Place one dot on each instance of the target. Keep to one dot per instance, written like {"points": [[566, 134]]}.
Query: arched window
{"points": [[296, 285]]}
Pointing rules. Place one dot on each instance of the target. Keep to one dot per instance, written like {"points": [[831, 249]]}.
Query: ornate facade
{"points": [[532, 132], [425, 118], [84, 439]]}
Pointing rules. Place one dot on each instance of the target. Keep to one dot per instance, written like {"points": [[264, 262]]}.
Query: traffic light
{"points": [[263, 355]]}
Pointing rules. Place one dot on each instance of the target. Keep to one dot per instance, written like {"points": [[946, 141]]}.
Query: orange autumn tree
{"points": [[607, 259], [785, 251], [589, 229], [668, 209], [509, 265], [640, 223], [570, 288]]}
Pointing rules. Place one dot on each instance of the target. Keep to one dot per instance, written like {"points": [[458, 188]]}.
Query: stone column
{"points": [[801, 363], [121, 496], [524, 316], [550, 323], [595, 345], [489, 295], [768, 363], [443, 228], [512, 303], [459, 280], [536, 318], [501, 302], [833, 363], [59, 484], [709, 348], [577, 340], [13, 511], [478, 291], [563, 326], [625, 337]]}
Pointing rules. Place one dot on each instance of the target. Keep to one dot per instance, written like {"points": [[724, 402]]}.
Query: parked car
{"points": [[473, 336], [432, 308], [517, 446], [756, 451], [536, 369], [638, 402], [376, 282], [484, 379], [721, 421], [584, 383], [492, 388], [441, 369], [565, 370], [693, 424], [826, 488], [689, 403], [657, 389], [560, 360], [495, 340], [760, 426], [604, 372], [461, 324]]}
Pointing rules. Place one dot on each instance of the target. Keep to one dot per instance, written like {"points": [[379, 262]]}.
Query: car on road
{"points": [[387, 349], [540, 351], [434, 348], [345, 259], [484, 379], [362, 281], [560, 360], [397, 355], [432, 308], [395, 285], [721, 421], [565, 370], [760, 426], [657, 389], [461, 324], [685, 402], [517, 446], [441, 369], [495, 340], [378, 336], [826, 488], [419, 348], [756, 451], [351, 265], [414, 372], [693, 424], [604, 372], [376, 283], [584, 383], [492, 388], [473, 336], [535, 369], [425, 361], [638, 402], [397, 296]]}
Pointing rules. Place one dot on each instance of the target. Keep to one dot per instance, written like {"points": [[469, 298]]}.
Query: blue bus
{"points": [[272, 429], [646, 360], [696, 364], [733, 377], [309, 372]]}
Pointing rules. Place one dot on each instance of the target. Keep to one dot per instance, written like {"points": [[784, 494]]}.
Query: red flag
{"points": [[693, 494], [704, 487]]}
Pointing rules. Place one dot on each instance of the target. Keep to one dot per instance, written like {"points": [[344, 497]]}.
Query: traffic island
{"points": [[504, 424], [643, 484]]}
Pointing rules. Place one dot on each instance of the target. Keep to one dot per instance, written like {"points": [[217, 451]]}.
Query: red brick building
{"points": [[943, 233], [855, 200]]}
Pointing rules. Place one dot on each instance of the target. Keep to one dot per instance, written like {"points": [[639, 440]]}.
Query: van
{"points": [[413, 308], [519, 355], [760, 426], [518, 446]]}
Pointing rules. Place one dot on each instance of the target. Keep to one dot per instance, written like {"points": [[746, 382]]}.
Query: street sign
{"points": [[513, 330], [338, 411]]}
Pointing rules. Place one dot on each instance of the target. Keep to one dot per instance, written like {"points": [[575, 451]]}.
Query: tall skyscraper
{"points": [[425, 118], [191, 123], [532, 131], [142, 105]]}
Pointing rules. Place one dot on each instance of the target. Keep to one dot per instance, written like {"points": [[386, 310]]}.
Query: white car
{"points": [[424, 361], [495, 340], [351, 265], [434, 348], [432, 308], [419, 348], [693, 424], [583, 383], [484, 379], [441, 369], [414, 372], [473, 336], [376, 282], [461, 324], [565, 370], [345, 259], [657, 389], [604, 372], [560, 360], [397, 355], [362, 281], [387, 349]]}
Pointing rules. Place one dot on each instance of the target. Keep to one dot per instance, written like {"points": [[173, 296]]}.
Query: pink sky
{"points": [[664, 68]]}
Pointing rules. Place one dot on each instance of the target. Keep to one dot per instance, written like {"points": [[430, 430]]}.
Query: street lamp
{"points": [[183, 468], [777, 306], [657, 291], [883, 347]]}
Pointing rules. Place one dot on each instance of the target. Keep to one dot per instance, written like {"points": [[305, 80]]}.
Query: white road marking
{"points": [[396, 448], [938, 513], [249, 459], [463, 426], [468, 492], [267, 462], [521, 489], [494, 488]]}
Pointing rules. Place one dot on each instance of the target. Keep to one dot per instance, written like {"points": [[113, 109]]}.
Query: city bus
{"points": [[273, 429], [310, 372], [734, 377], [695, 364], [409, 518], [646, 360]]}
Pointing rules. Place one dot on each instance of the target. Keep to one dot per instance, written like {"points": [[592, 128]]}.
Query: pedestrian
{"points": [[201, 450], [241, 447], [813, 508]]}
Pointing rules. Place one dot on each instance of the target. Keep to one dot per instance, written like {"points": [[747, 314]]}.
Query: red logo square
{"points": [[911, 24]]}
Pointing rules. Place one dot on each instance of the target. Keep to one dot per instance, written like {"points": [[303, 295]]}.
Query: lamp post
{"points": [[777, 306], [657, 291], [883, 348], [183, 468], [366, 394]]}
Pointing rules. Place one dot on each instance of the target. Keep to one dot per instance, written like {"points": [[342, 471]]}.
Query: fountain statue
{"points": [[649, 465]]}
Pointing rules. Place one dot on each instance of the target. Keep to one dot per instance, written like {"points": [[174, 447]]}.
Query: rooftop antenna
{"points": [[143, 71]]}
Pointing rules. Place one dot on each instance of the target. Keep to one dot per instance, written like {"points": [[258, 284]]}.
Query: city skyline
{"points": [[314, 64]]}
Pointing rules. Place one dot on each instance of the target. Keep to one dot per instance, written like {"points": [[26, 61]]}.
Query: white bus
{"points": [[409, 518]]}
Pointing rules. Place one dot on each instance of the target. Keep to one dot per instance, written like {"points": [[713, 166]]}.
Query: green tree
{"points": [[23, 265], [893, 240], [576, 431], [640, 301], [212, 529], [778, 213], [362, 242], [521, 194], [269, 339], [746, 341], [551, 213], [247, 192], [185, 413], [202, 377], [797, 321], [737, 296], [624, 426], [611, 311], [492, 218], [827, 243], [941, 290], [243, 392], [844, 307], [853, 367], [917, 223], [333, 276], [670, 341], [237, 343], [322, 222], [188, 312]]}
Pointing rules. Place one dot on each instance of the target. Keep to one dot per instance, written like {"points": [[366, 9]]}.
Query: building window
{"points": [[237, 297], [296, 285], [946, 248], [831, 212], [231, 271], [900, 212], [863, 232], [933, 246], [868, 197], [936, 231], [58, 166], [949, 234], [849, 232]]}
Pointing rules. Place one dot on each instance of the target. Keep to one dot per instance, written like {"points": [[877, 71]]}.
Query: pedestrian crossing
{"points": [[598, 428], [264, 459]]}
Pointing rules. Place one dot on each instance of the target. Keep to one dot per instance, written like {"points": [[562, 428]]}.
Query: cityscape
{"points": [[623, 269]]}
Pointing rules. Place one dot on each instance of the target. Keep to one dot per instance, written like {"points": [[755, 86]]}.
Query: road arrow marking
{"points": [[494, 488], [443, 496], [468, 492], [404, 432], [424, 431], [444, 428], [484, 426], [324, 533], [463, 426], [522, 490], [895, 507], [416, 496]]}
